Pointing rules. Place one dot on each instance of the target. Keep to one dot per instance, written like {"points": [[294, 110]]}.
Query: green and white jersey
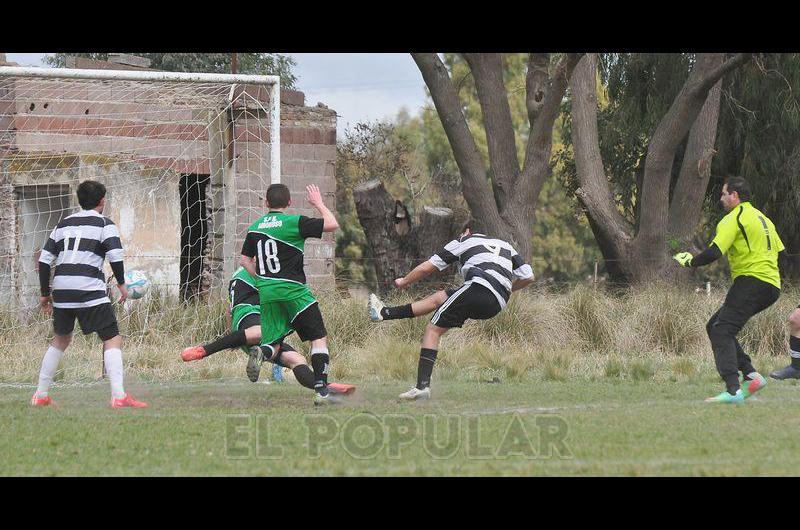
{"points": [[242, 289], [751, 242], [276, 241]]}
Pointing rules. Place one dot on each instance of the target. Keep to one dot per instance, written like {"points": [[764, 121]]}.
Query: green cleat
{"points": [[753, 385], [725, 397]]}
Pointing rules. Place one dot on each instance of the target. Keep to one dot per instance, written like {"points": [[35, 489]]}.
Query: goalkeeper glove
{"points": [[684, 258]]}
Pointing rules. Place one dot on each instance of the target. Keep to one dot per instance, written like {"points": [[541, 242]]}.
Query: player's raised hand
{"points": [[313, 195], [123, 293], [46, 303]]}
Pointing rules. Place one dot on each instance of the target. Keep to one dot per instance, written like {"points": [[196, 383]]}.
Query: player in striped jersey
{"points": [[78, 246], [245, 313], [492, 270]]}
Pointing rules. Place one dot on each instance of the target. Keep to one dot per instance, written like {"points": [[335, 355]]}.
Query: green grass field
{"points": [[232, 427]]}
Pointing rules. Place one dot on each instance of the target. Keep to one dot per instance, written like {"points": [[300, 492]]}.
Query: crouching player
{"points": [[245, 313]]}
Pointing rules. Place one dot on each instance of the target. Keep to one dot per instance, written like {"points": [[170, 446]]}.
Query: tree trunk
{"points": [[641, 253], [395, 249]]}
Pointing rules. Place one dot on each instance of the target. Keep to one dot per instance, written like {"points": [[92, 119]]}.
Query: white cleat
{"points": [[375, 307], [415, 393]]}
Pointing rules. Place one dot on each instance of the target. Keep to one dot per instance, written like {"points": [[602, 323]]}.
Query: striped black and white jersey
{"points": [[487, 261], [77, 246]]}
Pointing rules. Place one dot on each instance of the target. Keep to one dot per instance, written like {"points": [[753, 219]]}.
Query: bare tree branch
{"points": [[487, 71], [474, 182], [715, 74]]}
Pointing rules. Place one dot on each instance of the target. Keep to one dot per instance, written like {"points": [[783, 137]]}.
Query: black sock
{"points": [[794, 345], [427, 357], [732, 383], [393, 313], [304, 375], [233, 340], [319, 361]]}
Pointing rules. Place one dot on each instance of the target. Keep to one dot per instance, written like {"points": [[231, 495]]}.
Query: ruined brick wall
{"points": [[92, 123]]}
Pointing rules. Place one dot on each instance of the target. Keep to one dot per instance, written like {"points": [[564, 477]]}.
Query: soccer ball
{"points": [[137, 284]]}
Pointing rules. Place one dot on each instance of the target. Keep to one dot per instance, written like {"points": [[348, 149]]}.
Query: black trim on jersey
{"points": [[501, 289], [85, 220], [80, 269], [290, 257], [447, 256], [517, 261], [480, 249], [243, 293], [766, 231], [112, 243], [738, 222], [311, 227], [507, 274], [87, 244], [75, 296]]}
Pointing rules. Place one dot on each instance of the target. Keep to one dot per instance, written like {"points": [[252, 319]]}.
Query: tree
{"points": [[502, 197], [216, 63], [670, 189], [759, 139]]}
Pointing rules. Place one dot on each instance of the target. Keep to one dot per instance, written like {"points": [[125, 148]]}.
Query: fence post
{"points": [[594, 282]]}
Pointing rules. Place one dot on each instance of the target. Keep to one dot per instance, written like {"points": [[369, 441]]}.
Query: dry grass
{"points": [[652, 333]]}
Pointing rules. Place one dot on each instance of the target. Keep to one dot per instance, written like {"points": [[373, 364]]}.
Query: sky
{"points": [[358, 86]]}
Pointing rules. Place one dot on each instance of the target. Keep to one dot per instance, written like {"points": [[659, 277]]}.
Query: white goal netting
{"points": [[186, 166]]}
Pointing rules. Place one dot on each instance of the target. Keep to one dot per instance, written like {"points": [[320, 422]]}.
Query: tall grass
{"points": [[654, 332]]}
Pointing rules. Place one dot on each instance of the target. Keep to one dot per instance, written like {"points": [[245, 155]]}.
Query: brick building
{"points": [[186, 176]]}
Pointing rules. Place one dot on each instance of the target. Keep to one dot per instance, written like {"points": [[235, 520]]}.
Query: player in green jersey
{"points": [[749, 239], [245, 313], [272, 253]]}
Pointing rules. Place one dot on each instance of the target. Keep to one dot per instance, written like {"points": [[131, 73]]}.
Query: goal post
{"points": [[186, 159]]}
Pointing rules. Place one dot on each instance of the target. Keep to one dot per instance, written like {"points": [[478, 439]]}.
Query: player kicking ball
{"points": [[272, 254], [78, 246], [492, 270], [245, 313]]}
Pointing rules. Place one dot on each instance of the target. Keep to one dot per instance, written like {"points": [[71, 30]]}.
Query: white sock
{"points": [[754, 375], [113, 362], [49, 367]]}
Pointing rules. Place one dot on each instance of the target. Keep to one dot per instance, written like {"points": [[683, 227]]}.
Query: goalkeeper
{"points": [[749, 239], [245, 313]]}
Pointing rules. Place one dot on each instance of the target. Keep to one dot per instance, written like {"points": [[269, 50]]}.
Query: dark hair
{"points": [[740, 186], [90, 193], [278, 196]]}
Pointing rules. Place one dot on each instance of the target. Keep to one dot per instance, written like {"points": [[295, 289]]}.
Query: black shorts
{"points": [[99, 319], [251, 320], [308, 324], [469, 301]]}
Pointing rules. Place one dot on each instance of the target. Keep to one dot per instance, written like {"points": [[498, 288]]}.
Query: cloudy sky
{"points": [[359, 86]]}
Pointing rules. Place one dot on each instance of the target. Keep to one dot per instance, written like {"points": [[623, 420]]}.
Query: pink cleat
{"points": [[126, 402], [37, 401], [195, 353]]}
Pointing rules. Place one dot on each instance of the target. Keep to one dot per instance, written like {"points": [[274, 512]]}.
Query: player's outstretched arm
{"points": [[521, 284], [314, 197], [420, 271]]}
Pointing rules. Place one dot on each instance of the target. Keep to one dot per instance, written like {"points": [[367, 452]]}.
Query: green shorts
{"points": [[281, 318], [240, 312]]}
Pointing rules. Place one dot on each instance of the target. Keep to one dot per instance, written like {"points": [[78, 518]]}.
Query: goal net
{"points": [[186, 160]]}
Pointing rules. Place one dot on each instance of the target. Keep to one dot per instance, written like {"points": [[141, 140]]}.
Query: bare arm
{"points": [[521, 284], [314, 197], [420, 271], [249, 264]]}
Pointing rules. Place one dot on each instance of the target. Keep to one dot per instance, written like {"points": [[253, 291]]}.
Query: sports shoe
{"points": [[127, 401], [195, 353], [416, 393], [725, 397], [753, 385], [255, 358], [327, 399], [789, 372], [45, 401], [375, 307], [341, 388]]}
